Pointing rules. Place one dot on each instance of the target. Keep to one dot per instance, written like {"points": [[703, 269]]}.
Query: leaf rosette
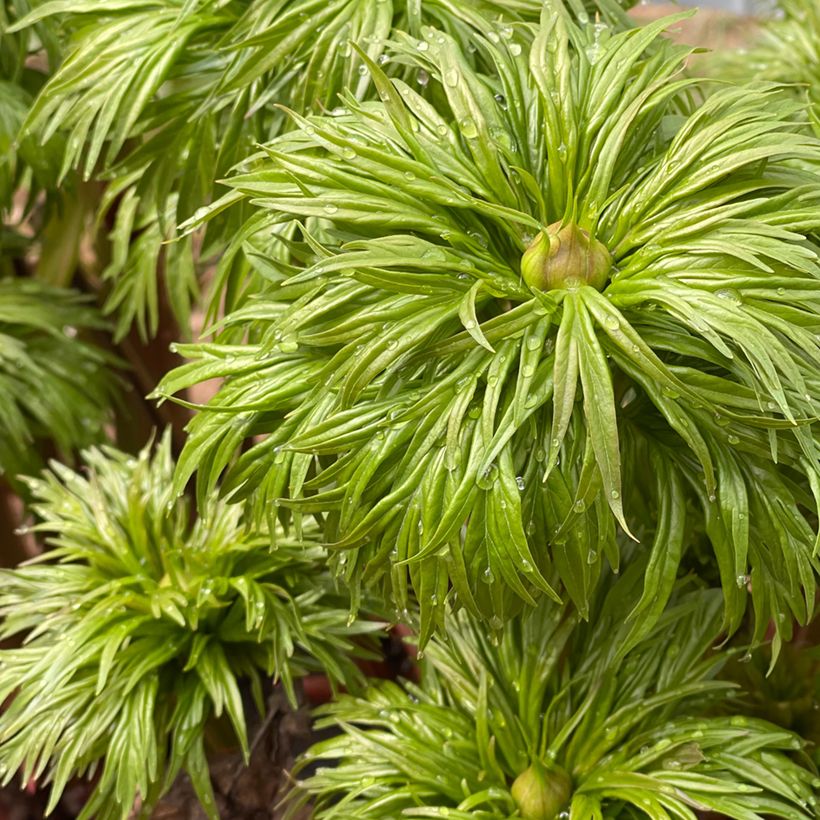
{"points": [[140, 628], [55, 383], [467, 433], [553, 721]]}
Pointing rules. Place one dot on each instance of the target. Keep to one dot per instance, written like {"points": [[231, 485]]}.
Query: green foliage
{"points": [[53, 383], [469, 439], [14, 103], [162, 98], [786, 693], [16, 48], [787, 50], [635, 733], [140, 625], [25, 167], [508, 297]]}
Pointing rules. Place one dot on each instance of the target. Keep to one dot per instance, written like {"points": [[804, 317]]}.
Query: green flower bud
{"points": [[564, 256], [541, 792]]}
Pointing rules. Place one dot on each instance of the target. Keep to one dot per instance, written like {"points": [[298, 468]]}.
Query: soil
{"points": [[252, 792]]}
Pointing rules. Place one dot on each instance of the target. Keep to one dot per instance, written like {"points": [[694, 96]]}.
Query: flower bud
{"points": [[541, 792], [564, 256]]}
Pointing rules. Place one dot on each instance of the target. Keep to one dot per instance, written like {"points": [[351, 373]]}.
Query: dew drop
{"points": [[721, 420], [468, 128], [729, 295]]}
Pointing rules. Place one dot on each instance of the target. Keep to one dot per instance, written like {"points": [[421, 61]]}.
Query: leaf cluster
{"points": [[20, 81], [55, 384], [160, 99], [464, 438], [786, 50], [400, 410], [635, 731], [139, 627]]}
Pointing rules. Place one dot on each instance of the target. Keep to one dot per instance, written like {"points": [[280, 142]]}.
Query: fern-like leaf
{"points": [[466, 432], [54, 385], [140, 625], [552, 721]]}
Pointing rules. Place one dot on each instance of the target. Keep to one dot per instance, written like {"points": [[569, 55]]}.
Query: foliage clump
{"points": [[785, 50], [140, 626], [55, 384], [552, 720], [505, 302], [161, 98], [470, 439]]}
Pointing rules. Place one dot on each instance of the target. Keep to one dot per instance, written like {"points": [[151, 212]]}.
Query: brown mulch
{"points": [[30, 804], [252, 792]]}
